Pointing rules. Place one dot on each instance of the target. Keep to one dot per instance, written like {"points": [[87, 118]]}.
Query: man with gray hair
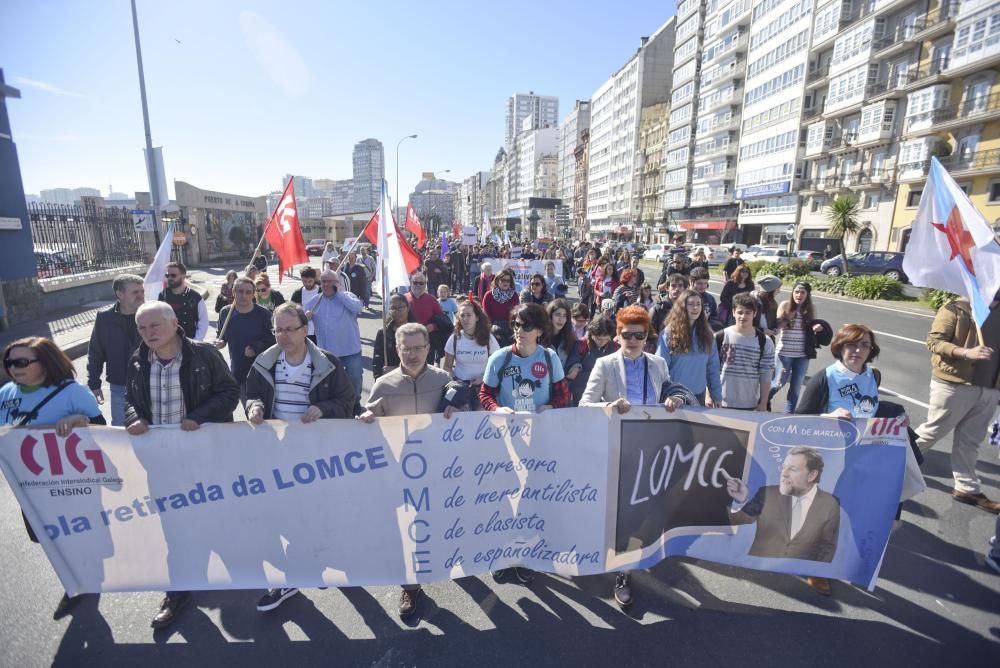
{"points": [[112, 341], [413, 388], [335, 317], [173, 379]]}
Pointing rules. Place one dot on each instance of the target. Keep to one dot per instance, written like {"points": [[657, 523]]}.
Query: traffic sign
{"points": [[790, 232], [143, 220]]}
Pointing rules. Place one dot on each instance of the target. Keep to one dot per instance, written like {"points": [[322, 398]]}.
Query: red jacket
{"points": [[497, 311]]}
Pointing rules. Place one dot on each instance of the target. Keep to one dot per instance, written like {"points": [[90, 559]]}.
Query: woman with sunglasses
{"points": [[631, 377], [498, 303], [536, 292], [386, 358], [687, 343], [266, 297], [42, 391], [513, 383]]}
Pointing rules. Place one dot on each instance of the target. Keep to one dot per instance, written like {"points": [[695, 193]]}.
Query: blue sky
{"points": [[258, 89]]}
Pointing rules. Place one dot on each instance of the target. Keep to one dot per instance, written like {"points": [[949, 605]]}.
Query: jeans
{"points": [[795, 370], [352, 364], [966, 410], [117, 405]]}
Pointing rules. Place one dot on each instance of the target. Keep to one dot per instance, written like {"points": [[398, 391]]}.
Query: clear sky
{"points": [[241, 93]]}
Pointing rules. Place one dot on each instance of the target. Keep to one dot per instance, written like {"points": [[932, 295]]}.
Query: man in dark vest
{"points": [[190, 308]]}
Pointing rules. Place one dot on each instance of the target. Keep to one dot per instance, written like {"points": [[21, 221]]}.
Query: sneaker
{"points": [[500, 575], [993, 562], [524, 575], [623, 593], [408, 602], [275, 597]]}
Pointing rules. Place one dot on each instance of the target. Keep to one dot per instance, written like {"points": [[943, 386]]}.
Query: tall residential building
{"points": [[303, 185], [534, 151], [581, 160], [496, 187], [770, 143], [369, 170], [570, 131], [433, 200], [472, 199], [643, 80], [543, 110], [652, 140]]}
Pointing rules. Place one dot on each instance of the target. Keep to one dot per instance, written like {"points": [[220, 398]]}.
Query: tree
{"points": [[842, 214]]}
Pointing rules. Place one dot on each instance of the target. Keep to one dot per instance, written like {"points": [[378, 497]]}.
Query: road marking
{"points": [[904, 338], [886, 390]]}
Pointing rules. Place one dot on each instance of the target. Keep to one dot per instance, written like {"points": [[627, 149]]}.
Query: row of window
{"points": [[790, 47], [770, 145], [854, 42], [685, 72], [848, 86], [763, 7], [782, 204], [685, 50], [982, 32], [721, 47], [779, 24], [778, 83], [680, 114], [828, 20], [775, 114], [765, 174], [680, 134], [682, 94], [726, 17]]}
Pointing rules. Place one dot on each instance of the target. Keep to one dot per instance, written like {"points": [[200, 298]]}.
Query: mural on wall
{"points": [[230, 233]]}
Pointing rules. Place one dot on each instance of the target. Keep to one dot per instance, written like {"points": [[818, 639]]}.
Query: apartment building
{"points": [[649, 177], [644, 80]]}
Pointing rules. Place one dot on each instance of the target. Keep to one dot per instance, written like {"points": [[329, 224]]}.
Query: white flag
{"points": [[484, 235], [391, 265], [153, 282]]}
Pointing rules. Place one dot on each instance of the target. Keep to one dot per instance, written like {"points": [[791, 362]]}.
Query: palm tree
{"points": [[842, 214]]}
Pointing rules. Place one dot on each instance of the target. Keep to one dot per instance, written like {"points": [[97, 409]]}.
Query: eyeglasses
{"points": [[634, 336], [19, 362], [406, 350], [517, 324], [279, 331]]}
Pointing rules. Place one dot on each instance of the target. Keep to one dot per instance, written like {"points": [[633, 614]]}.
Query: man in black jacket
{"points": [[112, 342], [172, 379], [295, 380]]}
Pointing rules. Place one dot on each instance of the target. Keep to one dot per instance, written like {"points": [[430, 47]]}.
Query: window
{"points": [[994, 193], [928, 99], [853, 43], [779, 24], [913, 198], [871, 201], [781, 82], [780, 53], [865, 241]]}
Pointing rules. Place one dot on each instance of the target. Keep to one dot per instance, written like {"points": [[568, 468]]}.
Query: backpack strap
{"points": [[548, 364], [32, 415], [762, 343]]}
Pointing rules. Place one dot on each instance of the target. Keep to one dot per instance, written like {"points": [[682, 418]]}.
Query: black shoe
{"points": [[500, 575], [66, 603], [408, 602], [623, 593], [169, 609], [275, 597], [524, 575]]}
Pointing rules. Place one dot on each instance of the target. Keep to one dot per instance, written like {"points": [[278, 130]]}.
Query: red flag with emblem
{"points": [[410, 257], [284, 234], [414, 226]]}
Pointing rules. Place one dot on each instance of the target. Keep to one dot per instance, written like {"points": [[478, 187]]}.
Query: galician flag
{"points": [[153, 283], [391, 264], [952, 247]]}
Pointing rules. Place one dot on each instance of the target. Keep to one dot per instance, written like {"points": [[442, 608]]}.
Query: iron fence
{"points": [[73, 240]]}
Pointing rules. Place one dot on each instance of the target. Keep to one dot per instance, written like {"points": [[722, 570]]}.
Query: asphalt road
{"points": [[935, 604]]}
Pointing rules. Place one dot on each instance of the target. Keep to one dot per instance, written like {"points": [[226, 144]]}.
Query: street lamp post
{"points": [[151, 170], [396, 203]]}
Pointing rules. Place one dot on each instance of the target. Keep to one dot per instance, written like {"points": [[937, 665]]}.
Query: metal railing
{"points": [[73, 240]]}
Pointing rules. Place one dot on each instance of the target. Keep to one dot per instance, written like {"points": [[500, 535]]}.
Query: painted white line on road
{"points": [[904, 338], [904, 397]]}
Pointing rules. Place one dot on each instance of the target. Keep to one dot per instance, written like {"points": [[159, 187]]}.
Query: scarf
{"points": [[502, 296]]}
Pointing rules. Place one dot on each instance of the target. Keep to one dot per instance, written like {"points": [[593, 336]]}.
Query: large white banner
{"points": [[523, 269], [425, 499]]}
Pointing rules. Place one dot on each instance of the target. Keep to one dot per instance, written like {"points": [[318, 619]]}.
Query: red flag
{"points": [[457, 231], [413, 226], [410, 257], [284, 234]]}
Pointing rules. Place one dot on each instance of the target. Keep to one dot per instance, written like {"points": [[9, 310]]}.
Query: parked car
{"points": [[658, 252], [315, 247], [767, 254], [814, 258], [872, 262], [713, 254]]}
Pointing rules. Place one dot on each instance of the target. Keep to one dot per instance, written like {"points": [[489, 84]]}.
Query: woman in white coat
{"points": [[630, 377]]}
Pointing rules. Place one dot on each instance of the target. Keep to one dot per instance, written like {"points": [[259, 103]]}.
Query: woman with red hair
{"points": [[627, 292], [630, 377]]}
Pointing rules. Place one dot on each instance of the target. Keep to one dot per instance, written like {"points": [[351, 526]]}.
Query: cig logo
{"points": [[53, 455]]}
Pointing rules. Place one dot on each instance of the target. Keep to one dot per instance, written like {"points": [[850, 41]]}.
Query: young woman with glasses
{"points": [[498, 303], [265, 296], [631, 377], [536, 292]]}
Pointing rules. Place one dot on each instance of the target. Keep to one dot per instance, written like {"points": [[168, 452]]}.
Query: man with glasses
{"points": [[335, 317], [191, 310], [426, 309], [413, 388], [295, 381], [248, 333], [112, 341]]}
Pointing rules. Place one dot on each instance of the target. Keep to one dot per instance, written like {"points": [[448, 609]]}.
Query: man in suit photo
{"points": [[795, 519]]}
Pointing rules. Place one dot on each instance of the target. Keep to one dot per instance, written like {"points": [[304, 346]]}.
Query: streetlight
{"points": [[396, 204]]}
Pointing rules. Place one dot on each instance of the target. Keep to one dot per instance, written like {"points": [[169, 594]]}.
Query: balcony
{"points": [[975, 162], [926, 75], [731, 96], [715, 148], [977, 110], [818, 76], [727, 174], [809, 114], [738, 45]]}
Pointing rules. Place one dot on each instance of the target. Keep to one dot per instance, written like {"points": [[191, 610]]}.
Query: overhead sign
{"points": [[763, 189], [143, 220]]}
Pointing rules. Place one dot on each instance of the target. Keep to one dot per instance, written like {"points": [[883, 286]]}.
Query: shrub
{"points": [[797, 268], [791, 269], [938, 298], [874, 287], [833, 286]]}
